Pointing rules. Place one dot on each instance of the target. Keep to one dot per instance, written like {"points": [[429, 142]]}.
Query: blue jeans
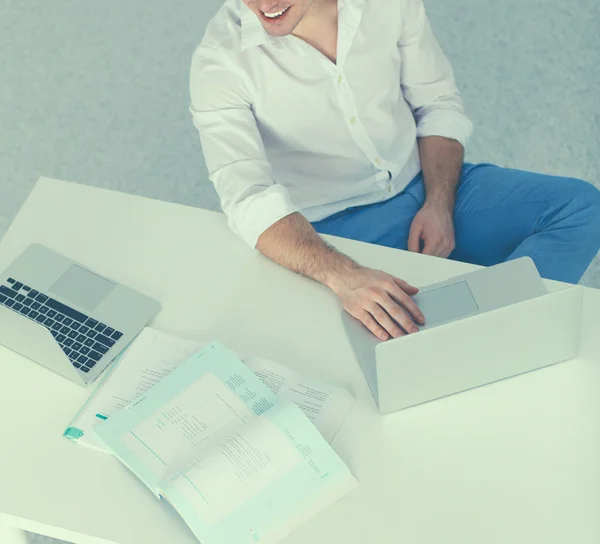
{"points": [[500, 214]]}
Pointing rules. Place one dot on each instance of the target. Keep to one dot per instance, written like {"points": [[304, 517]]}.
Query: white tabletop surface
{"points": [[517, 461]]}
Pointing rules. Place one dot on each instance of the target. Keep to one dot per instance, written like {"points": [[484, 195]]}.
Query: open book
{"points": [[236, 462], [153, 355]]}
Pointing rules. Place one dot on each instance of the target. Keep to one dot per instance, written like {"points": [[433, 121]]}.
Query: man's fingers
{"points": [[414, 238], [368, 321], [403, 309], [384, 320], [400, 295], [406, 287]]}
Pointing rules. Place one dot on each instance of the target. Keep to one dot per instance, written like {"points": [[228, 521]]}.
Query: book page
{"points": [[177, 432], [257, 484], [206, 397], [326, 406], [238, 467], [152, 356]]}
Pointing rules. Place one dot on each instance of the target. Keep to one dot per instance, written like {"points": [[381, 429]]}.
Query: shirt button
{"points": [[339, 79], [352, 120], [378, 160]]}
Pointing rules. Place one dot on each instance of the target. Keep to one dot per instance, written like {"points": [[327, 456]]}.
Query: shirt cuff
{"points": [[253, 215], [447, 123]]}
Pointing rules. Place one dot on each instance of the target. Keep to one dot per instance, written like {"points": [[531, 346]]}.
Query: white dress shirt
{"points": [[284, 129]]}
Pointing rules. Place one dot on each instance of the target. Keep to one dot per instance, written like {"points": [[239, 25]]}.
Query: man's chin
{"points": [[279, 32]]}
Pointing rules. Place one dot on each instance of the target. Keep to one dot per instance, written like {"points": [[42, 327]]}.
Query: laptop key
{"points": [[11, 280], [20, 298], [80, 338], [84, 369], [26, 288], [49, 322], [105, 340], [69, 342], [85, 350], [100, 347], [10, 303], [91, 323], [92, 334], [94, 355], [56, 326], [27, 301], [3, 299], [44, 310], [24, 310], [36, 305], [77, 365], [90, 363], [40, 318], [59, 318], [83, 329], [17, 286], [89, 342], [54, 333], [61, 338], [32, 294], [8, 292], [52, 313], [108, 331], [81, 359], [100, 327], [41, 298], [72, 334], [75, 325], [77, 346], [67, 321], [64, 330], [17, 306], [33, 314], [116, 335]]}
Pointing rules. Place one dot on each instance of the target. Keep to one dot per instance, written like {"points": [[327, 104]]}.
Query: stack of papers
{"points": [[239, 448]]}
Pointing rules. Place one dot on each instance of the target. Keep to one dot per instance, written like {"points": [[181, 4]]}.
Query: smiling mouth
{"points": [[276, 15]]}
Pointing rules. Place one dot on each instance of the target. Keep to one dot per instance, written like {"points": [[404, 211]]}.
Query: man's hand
{"points": [[435, 226], [375, 297], [371, 296]]}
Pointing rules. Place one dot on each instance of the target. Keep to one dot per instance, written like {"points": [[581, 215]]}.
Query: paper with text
{"points": [[326, 406], [235, 469], [235, 461], [151, 357]]}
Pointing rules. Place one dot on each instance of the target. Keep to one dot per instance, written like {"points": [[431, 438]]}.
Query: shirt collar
{"points": [[253, 33]]}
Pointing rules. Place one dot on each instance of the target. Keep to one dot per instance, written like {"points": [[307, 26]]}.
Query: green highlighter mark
{"points": [[100, 416]]}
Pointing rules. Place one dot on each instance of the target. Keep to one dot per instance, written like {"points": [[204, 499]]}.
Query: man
{"points": [[344, 118]]}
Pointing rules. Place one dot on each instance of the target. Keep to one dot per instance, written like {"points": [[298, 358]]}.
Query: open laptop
{"points": [[66, 317], [480, 327]]}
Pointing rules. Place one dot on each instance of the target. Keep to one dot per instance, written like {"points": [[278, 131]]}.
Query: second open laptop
{"points": [[66, 317], [480, 327]]}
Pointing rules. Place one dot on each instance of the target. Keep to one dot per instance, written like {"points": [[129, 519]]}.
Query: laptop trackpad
{"points": [[82, 287], [446, 304]]}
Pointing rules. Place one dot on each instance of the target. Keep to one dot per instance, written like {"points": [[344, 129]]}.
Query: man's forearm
{"points": [[441, 163], [293, 242]]}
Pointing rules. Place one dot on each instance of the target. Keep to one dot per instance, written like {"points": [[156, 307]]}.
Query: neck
{"points": [[319, 12]]}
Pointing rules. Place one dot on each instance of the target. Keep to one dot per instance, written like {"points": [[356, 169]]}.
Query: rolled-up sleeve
{"points": [[221, 110], [427, 79]]}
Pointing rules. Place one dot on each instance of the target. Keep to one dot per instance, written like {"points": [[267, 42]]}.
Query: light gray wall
{"points": [[97, 92]]}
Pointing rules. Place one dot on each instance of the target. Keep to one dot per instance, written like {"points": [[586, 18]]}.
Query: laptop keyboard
{"points": [[84, 340]]}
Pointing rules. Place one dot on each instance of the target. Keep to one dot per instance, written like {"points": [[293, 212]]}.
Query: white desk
{"points": [[514, 462]]}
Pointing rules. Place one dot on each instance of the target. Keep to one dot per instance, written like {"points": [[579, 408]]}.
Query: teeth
{"points": [[273, 15]]}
